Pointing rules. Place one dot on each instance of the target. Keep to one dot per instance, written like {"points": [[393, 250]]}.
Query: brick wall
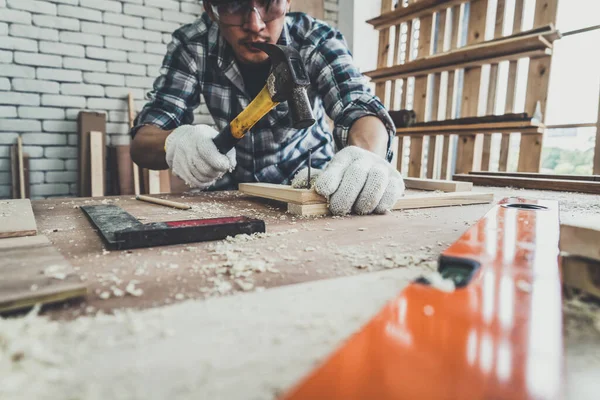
{"points": [[58, 57]]}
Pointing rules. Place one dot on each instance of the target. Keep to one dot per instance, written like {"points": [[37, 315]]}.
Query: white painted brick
{"points": [[104, 79], [71, 2], [44, 139], [49, 189], [5, 84], [160, 26], [139, 82], [117, 116], [38, 7], [104, 5], [117, 128], [167, 38], [122, 20], [40, 60], [124, 68], [5, 166], [156, 48], [146, 59], [74, 50], [81, 89], [8, 138], [61, 176], [192, 8], [62, 23], [168, 4], [101, 29], [4, 152], [120, 140], [46, 165], [82, 38], [62, 101], [60, 75], [20, 125], [120, 92], [12, 16], [41, 113], [100, 53], [84, 64], [176, 16], [142, 34], [124, 44], [19, 99], [154, 71], [33, 152], [8, 112], [79, 13], [6, 57], [16, 43], [33, 32], [60, 152], [36, 176], [3, 29], [72, 140], [35, 86], [133, 1], [5, 178], [141, 11], [107, 104], [62, 126]]}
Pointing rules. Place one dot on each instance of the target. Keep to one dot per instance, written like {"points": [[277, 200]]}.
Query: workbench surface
{"points": [[294, 249]]}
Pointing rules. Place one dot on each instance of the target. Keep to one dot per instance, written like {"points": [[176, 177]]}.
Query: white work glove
{"points": [[356, 180], [193, 156]]}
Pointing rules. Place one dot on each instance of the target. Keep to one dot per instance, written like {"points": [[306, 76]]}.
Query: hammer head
{"points": [[288, 81]]}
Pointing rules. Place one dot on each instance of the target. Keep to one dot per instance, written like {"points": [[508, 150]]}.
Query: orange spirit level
{"points": [[497, 336]]}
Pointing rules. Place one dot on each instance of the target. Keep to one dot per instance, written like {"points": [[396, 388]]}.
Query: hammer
{"points": [[287, 81]]}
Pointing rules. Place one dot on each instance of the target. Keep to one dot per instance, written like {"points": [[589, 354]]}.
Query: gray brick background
{"points": [[59, 57]]}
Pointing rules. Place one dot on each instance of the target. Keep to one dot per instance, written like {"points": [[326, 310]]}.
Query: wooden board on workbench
{"points": [[531, 183], [32, 271], [281, 193], [16, 218]]}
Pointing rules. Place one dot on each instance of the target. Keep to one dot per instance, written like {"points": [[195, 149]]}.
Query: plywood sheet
{"points": [[16, 218], [32, 271]]}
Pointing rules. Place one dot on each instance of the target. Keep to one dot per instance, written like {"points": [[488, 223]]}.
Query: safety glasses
{"points": [[235, 13]]}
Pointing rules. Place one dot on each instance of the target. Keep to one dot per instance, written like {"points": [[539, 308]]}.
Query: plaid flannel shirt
{"points": [[199, 62]]}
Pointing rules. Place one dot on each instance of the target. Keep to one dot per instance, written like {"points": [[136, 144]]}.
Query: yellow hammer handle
{"points": [[258, 108]]}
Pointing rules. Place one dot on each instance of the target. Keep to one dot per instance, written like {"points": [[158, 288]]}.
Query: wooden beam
{"points": [[492, 127], [436, 184], [16, 218], [591, 178], [414, 10], [531, 183], [426, 200], [97, 163], [281, 193]]}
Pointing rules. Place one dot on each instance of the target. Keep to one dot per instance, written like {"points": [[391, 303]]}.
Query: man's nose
{"points": [[254, 22]]}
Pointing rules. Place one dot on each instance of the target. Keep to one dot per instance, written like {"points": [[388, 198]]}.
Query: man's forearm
{"points": [[148, 147], [370, 134]]}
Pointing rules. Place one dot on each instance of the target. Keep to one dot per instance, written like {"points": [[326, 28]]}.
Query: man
{"points": [[214, 58]]}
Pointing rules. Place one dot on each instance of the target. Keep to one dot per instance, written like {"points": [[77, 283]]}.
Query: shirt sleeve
{"points": [[176, 92], [344, 90]]}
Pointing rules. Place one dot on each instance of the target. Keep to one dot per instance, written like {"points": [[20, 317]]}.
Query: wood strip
{"points": [[437, 184], [25, 241], [125, 168], [427, 200], [21, 167], [414, 10], [580, 240], [395, 61], [16, 175], [383, 51], [400, 159], [531, 183], [465, 154], [596, 166], [474, 55], [87, 122], [281, 193], [445, 170], [136, 169], [545, 12], [164, 181], [97, 163], [461, 130], [591, 178], [16, 218], [35, 274], [153, 182], [163, 202]]}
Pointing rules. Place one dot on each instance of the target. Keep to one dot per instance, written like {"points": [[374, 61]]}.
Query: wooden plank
{"points": [[35, 274], [531, 183], [164, 178], [16, 174], [465, 154], [136, 169], [467, 130], [87, 122], [545, 12], [580, 239], [415, 162], [468, 56], [400, 158], [395, 61], [24, 241], [383, 51], [426, 200], [530, 153], [16, 218], [414, 10], [21, 167], [153, 182], [281, 193], [125, 169], [486, 126], [592, 178], [596, 166], [445, 169], [437, 184], [97, 163]]}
